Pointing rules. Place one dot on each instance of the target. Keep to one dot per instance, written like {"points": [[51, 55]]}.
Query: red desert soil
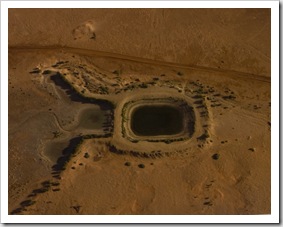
{"points": [[76, 76]]}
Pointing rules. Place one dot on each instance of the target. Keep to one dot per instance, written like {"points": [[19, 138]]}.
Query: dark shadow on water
{"points": [[77, 97]]}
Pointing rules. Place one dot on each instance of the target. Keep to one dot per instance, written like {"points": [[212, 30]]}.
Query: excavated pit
{"points": [[157, 120]]}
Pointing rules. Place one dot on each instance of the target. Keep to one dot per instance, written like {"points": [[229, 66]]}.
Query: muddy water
{"points": [[54, 150], [91, 118], [88, 119]]}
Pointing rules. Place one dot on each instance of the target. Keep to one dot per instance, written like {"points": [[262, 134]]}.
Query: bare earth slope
{"points": [[73, 88]]}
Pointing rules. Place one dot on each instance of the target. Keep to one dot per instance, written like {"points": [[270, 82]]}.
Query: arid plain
{"points": [[139, 111]]}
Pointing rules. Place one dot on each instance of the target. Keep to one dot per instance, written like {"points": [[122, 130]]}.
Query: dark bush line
{"points": [[75, 96], [46, 185], [71, 151], [203, 137], [154, 154], [228, 97], [67, 154]]}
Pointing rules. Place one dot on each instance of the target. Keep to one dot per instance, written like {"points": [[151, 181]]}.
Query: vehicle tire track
{"points": [[224, 72]]}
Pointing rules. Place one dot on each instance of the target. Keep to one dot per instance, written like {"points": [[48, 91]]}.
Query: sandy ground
{"points": [[70, 155]]}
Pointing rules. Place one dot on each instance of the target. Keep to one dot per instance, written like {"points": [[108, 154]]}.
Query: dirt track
{"points": [[86, 52]]}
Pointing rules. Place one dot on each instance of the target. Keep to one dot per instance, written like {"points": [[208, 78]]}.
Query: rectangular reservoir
{"points": [[156, 120]]}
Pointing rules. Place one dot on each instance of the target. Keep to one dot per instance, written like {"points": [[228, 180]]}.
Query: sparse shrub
{"points": [[55, 183], [17, 211], [104, 90], [46, 183], [35, 71], [127, 164], [116, 72], [45, 72], [27, 203], [197, 96], [204, 136], [215, 156], [143, 85], [56, 134], [228, 97], [167, 141], [93, 36], [199, 102]]}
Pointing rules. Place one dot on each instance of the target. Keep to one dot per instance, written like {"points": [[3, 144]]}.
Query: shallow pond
{"points": [[92, 118], [54, 150], [88, 119]]}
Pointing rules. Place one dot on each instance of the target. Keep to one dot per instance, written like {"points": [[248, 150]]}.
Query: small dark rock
{"points": [[141, 166]]}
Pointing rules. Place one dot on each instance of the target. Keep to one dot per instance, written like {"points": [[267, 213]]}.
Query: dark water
{"points": [[156, 120]]}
